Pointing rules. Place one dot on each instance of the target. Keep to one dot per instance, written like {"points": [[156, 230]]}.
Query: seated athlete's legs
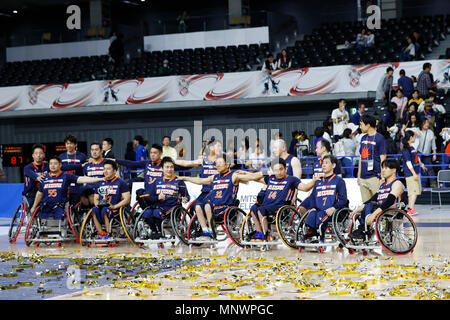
{"points": [[254, 213], [108, 215], [316, 218], [208, 211], [97, 217], [199, 204], [306, 205]]}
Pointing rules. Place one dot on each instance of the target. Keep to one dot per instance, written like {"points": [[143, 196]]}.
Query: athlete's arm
{"points": [[126, 197], [207, 180], [131, 164], [305, 187], [83, 179], [246, 177], [397, 189], [37, 200], [189, 163], [296, 168]]}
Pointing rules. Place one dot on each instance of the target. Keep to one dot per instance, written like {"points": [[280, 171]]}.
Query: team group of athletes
{"points": [[72, 177]]}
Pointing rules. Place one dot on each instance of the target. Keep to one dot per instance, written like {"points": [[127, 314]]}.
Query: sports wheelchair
{"points": [[229, 223], [121, 226], [324, 232], [20, 218], [393, 230], [50, 231], [282, 225]]}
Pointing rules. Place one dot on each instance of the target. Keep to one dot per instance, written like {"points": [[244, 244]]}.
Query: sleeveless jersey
{"points": [[223, 192], [208, 169], [279, 191]]}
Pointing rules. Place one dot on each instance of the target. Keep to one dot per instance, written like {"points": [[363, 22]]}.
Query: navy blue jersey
{"points": [[279, 191], [173, 190], [55, 187], [223, 192], [371, 149], [288, 161], [318, 167], [94, 169], [116, 187], [31, 172], [410, 154], [208, 169], [77, 158], [384, 190], [329, 192], [152, 171]]}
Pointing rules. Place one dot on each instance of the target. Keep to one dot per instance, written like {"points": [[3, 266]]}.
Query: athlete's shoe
{"points": [[205, 236], [357, 234], [156, 235], [412, 212], [267, 236], [258, 236]]}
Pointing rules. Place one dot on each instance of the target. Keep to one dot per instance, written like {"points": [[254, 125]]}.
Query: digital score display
{"points": [[19, 155]]}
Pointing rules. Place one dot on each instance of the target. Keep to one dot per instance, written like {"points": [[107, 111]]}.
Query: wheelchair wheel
{"points": [[247, 228], [300, 230], [32, 230], [341, 223], [181, 220], [17, 221], [73, 223], [287, 222], [88, 230], [396, 231], [127, 223], [234, 217], [140, 227]]}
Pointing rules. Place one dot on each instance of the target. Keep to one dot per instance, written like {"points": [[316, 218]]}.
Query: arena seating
{"points": [[315, 49]]}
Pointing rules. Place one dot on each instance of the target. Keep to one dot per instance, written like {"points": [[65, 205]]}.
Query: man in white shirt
{"points": [[340, 119], [168, 151]]}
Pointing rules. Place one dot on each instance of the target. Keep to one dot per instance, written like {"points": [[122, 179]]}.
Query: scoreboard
{"points": [[19, 155]]}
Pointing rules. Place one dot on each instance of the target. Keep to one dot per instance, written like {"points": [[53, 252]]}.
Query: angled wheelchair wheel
{"points": [[247, 228], [181, 220], [88, 230], [127, 223], [287, 222], [32, 230], [396, 231], [233, 219], [341, 223], [17, 222], [73, 222]]}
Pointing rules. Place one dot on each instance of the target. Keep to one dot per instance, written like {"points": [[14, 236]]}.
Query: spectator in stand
{"points": [[445, 134], [401, 102], [429, 114], [180, 148], [130, 154], [425, 84], [302, 145], [370, 39], [405, 84], [257, 158], [415, 98], [418, 41], [244, 152], [165, 70], [168, 151], [357, 115], [107, 145], [294, 141], [385, 85], [390, 117], [349, 148], [361, 39], [182, 21], [409, 52], [340, 119], [285, 61], [277, 135], [391, 146], [318, 132], [411, 168], [427, 149], [141, 155], [327, 127]]}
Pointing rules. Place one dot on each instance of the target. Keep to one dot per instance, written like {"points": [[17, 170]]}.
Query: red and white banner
{"points": [[221, 86]]}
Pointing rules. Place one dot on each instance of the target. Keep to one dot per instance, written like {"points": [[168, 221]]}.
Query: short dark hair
{"points": [[325, 143], [157, 147], [402, 72], [389, 69], [71, 138], [109, 140], [139, 139], [166, 137], [167, 160], [332, 158], [391, 163], [370, 120], [112, 163], [95, 143], [180, 137], [426, 65], [278, 161], [37, 146], [55, 158], [269, 55]]}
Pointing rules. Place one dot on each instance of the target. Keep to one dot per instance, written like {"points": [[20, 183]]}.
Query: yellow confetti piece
{"points": [[341, 293], [278, 258], [256, 259], [219, 256], [348, 273], [195, 296], [213, 295], [88, 293], [264, 293], [367, 295]]}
